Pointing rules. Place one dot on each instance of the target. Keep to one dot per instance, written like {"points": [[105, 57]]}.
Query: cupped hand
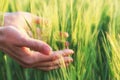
{"points": [[29, 52]]}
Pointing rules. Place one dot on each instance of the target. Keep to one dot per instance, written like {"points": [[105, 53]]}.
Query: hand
{"points": [[55, 60], [27, 51], [30, 52], [18, 20]]}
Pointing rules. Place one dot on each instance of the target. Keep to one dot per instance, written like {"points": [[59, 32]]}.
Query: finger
{"points": [[65, 52], [39, 57], [54, 63], [37, 45], [51, 67], [52, 57], [26, 57]]}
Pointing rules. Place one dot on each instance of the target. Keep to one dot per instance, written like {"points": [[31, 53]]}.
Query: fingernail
{"points": [[47, 50], [72, 51]]}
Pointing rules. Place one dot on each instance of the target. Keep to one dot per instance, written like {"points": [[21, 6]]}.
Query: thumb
{"points": [[37, 45]]}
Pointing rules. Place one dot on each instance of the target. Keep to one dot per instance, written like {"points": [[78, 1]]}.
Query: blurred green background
{"points": [[94, 35]]}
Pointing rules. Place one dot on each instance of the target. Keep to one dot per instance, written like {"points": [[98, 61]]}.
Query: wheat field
{"points": [[94, 35]]}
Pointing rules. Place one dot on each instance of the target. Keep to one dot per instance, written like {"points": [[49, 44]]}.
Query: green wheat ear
{"points": [[3, 9], [32, 29]]}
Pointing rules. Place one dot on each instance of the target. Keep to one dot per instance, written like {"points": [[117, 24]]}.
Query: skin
{"points": [[29, 52]]}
